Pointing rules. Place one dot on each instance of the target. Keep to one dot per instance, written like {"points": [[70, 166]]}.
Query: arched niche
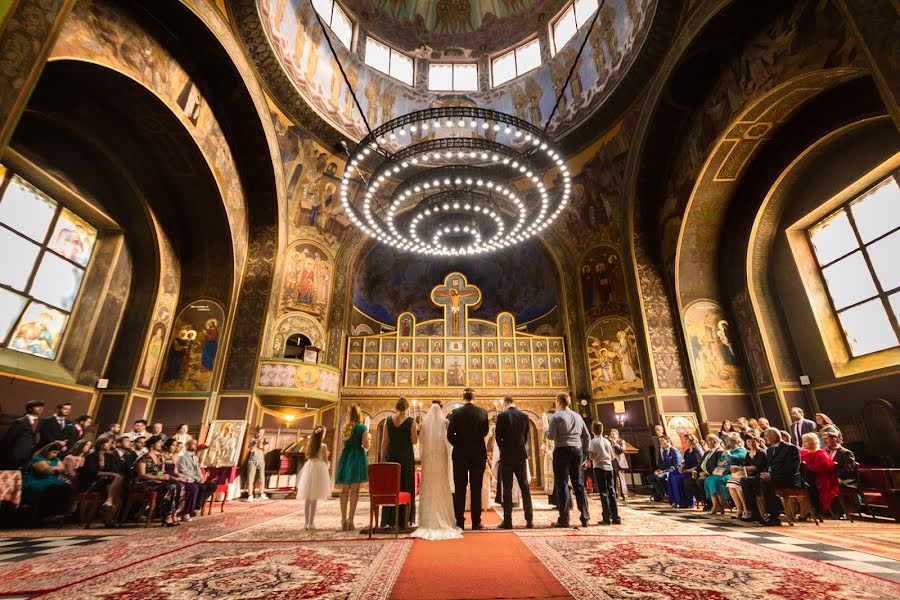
{"points": [[295, 323]]}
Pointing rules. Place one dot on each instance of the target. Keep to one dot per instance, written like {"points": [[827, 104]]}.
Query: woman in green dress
{"points": [[42, 485], [401, 434], [715, 485], [353, 466]]}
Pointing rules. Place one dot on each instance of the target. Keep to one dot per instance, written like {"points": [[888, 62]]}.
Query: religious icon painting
{"points": [[507, 362], [404, 379], [224, 443], [354, 379], [508, 378], [404, 346], [194, 346], [475, 362], [490, 346], [540, 362], [371, 379], [372, 362], [372, 346], [403, 363], [389, 345], [405, 325], [507, 346], [437, 346], [556, 346], [421, 363], [307, 279], [475, 346], [490, 362], [355, 362], [39, 331], [456, 370], [475, 379], [421, 379], [557, 362], [525, 380], [539, 346], [356, 346], [437, 379], [437, 362], [492, 379], [387, 362], [524, 362], [73, 237], [505, 323], [523, 346], [387, 380], [421, 347], [558, 378], [456, 346], [541, 379]]}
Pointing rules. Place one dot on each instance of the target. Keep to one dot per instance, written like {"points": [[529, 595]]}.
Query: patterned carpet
{"points": [[695, 568]]}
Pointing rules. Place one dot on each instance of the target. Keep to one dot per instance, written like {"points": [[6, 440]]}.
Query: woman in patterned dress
{"points": [[151, 475]]}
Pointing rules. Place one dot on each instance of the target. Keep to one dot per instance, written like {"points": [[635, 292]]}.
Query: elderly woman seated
{"points": [[714, 486], [821, 464], [43, 486]]}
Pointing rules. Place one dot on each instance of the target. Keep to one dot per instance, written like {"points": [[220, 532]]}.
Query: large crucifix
{"points": [[456, 296]]}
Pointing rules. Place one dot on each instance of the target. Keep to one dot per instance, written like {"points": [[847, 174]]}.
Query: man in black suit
{"points": [[512, 438], [121, 460], [799, 426], [21, 438], [466, 432], [77, 433], [783, 471], [57, 427]]}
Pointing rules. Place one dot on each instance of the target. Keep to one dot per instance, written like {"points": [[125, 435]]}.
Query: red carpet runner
{"points": [[471, 569]]}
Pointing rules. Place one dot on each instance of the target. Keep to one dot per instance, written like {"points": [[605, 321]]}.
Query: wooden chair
{"points": [[88, 503], [145, 499], [384, 490], [799, 496]]}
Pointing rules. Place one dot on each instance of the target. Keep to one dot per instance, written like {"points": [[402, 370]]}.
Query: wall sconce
{"points": [[288, 420], [620, 419], [619, 408]]}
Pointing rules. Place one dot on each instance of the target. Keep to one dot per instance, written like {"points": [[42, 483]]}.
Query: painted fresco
{"points": [[613, 359], [712, 347], [151, 358], [389, 282], [297, 41], [296, 323], [442, 16], [307, 280], [603, 289], [191, 359], [97, 31], [751, 339]]}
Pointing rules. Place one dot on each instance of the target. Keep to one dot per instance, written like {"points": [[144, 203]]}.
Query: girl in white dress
{"points": [[437, 520], [314, 483]]}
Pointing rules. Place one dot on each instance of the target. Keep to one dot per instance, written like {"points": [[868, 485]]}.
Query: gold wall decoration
{"points": [[455, 351]]}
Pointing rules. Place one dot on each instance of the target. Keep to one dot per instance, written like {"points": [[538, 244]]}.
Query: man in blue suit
{"points": [[799, 426], [670, 460]]}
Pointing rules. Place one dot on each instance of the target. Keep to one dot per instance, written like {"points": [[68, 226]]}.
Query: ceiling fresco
{"points": [[297, 42], [388, 282]]}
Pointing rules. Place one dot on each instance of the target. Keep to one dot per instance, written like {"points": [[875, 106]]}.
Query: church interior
{"points": [[247, 242]]}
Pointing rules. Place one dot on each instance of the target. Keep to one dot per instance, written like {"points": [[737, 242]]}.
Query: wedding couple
{"points": [[454, 457]]}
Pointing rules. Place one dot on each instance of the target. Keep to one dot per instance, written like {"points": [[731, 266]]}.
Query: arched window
{"points": [[294, 346]]}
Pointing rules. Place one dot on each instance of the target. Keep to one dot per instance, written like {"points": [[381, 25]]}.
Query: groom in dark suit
{"points": [[512, 438], [466, 432]]}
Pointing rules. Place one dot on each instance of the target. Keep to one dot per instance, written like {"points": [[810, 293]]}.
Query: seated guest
{"points": [[845, 466], [754, 464], [189, 469], [97, 475], [782, 471], [762, 425], [819, 462], [727, 428], [678, 494], [140, 446], [75, 459], [19, 441], [714, 486], [139, 429], [694, 485], [43, 487], [189, 490], [150, 475], [620, 463], [156, 430], [824, 425], [669, 462], [121, 460], [112, 431], [785, 437], [753, 427]]}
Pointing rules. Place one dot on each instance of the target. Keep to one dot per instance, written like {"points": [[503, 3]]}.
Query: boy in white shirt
{"points": [[600, 454]]}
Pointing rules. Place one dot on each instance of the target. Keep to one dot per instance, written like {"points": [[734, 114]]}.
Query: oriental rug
{"points": [[696, 568], [49, 572], [351, 570]]}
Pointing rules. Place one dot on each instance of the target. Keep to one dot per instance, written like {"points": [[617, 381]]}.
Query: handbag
{"points": [[740, 474], [719, 471]]}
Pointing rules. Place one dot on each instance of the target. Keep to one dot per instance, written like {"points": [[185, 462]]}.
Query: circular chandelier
{"points": [[455, 181]]}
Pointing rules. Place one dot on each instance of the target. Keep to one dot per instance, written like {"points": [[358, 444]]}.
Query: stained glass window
{"points": [[857, 248], [46, 249]]}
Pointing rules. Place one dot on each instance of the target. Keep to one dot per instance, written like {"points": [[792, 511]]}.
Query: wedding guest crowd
{"points": [[743, 465], [59, 465]]}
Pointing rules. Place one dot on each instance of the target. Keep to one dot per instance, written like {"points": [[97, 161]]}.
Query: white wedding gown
{"points": [[436, 518]]}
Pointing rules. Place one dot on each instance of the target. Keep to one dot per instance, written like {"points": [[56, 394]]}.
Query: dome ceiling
{"points": [[447, 28], [293, 58]]}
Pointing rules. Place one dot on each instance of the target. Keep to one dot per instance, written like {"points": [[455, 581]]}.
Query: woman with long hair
{"points": [[714, 486], [437, 520], [824, 425], [43, 487], [314, 482], [754, 463], [190, 491], [400, 435], [151, 475], [353, 465], [727, 427], [75, 459]]}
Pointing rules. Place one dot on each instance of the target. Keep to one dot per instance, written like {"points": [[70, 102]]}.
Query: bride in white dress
{"points": [[436, 518]]}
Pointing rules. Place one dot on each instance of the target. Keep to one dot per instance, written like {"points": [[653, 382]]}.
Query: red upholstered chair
{"points": [[221, 488], [384, 490]]}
